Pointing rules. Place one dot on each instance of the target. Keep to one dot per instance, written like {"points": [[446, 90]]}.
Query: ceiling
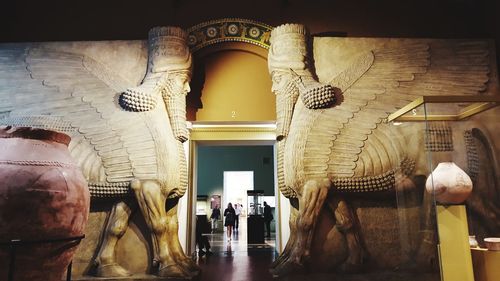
{"points": [[112, 20]]}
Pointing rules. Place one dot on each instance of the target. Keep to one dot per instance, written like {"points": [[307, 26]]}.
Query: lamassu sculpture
{"points": [[127, 139], [332, 140]]}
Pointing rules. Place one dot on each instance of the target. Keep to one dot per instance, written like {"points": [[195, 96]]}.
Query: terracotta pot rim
{"points": [[34, 133]]}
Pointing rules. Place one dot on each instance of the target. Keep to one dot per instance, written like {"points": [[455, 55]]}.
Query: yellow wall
{"points": [[237, 88]]}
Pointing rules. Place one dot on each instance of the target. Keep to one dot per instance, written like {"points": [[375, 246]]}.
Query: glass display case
{"points": [[255, 220], [201, 205], [255, 202], [456, 138]]}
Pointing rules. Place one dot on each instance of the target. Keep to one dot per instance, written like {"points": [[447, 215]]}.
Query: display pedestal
{"points": [[486, 264], [255, 230], [455, 254]]}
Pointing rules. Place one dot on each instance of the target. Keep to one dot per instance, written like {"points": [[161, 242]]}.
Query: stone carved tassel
{"points": [[140, 98], [449, 184], [316, 95]]}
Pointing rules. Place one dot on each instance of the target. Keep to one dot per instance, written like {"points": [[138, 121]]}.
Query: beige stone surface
{"points": [[124, 105], [344, 162]]}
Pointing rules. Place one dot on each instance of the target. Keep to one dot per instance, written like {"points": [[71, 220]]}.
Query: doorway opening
{"points": [[236, 185], [227, 172]]}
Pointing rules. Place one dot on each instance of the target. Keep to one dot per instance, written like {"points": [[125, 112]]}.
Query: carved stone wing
{"points": [[77, 95], [345, 141]]}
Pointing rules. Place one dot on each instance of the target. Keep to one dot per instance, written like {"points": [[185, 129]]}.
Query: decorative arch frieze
{"points": [[228, 30]]}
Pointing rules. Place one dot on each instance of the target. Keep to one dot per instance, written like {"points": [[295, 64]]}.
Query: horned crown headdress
{"points": [[168, 49], [168, 52], [289, 48]]}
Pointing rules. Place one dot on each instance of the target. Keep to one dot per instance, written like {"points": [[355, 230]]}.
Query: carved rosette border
{"points": [[228, 30]]}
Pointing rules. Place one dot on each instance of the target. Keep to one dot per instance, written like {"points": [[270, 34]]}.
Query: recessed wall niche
{"points": [[231, 85]]}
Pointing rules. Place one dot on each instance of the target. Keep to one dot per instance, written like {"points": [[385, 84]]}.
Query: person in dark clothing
{"points": [[230, 215], [202, 227], [215, 217], [237, 209], [268, 217]]}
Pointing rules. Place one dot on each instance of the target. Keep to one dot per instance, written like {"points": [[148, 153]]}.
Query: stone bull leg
{"points": [[152, 202], [311, 201], [106, 265], [174, 244], [292, 240], [347, 224]]}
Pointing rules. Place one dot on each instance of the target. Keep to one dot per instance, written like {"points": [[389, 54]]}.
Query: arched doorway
{"points": [[231, 103]]}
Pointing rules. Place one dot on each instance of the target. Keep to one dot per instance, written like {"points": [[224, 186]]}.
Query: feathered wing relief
{"points": [[346, 147], [123, 149], [78, 95], [397, 74]]}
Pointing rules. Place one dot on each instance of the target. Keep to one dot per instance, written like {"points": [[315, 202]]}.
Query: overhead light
{"points": [[197, 125]]}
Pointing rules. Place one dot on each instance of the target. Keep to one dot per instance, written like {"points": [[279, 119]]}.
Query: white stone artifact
{"points": [[332, 141], [449, 184], [127, 140]]}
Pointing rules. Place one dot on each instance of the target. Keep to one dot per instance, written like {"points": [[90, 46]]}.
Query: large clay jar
{"points": [[449, 183], [43, 197]]}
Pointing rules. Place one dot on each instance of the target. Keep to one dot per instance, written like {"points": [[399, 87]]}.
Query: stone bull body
{"points": [[127, 140]]}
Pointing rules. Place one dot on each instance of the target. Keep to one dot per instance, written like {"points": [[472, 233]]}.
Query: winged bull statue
{"points": [[127, 139], [331, 136]]}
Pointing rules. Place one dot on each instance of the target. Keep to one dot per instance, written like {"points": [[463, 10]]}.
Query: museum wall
{"points": [[214, 160], [27, 21], [231, 85]]}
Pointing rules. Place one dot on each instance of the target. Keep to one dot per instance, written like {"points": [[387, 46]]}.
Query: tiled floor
{"points": [[235, 260]]}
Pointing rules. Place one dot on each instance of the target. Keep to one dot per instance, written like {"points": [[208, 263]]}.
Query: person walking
{"points": [[230, 215], [268, 217], [214, 218], [237, 210]]}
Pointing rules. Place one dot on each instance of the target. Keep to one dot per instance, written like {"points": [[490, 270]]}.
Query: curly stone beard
{"points": [[168, 87], [175, 101], [286, 97]]}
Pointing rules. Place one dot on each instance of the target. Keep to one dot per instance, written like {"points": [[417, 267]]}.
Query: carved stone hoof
{"points": [[348, 267], [191, 267], [281, 259], [173, 271], [287, 268], [111, 270]]}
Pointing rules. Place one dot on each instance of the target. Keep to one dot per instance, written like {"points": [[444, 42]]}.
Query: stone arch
{"points": [[228, 30], [229, 39]]}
